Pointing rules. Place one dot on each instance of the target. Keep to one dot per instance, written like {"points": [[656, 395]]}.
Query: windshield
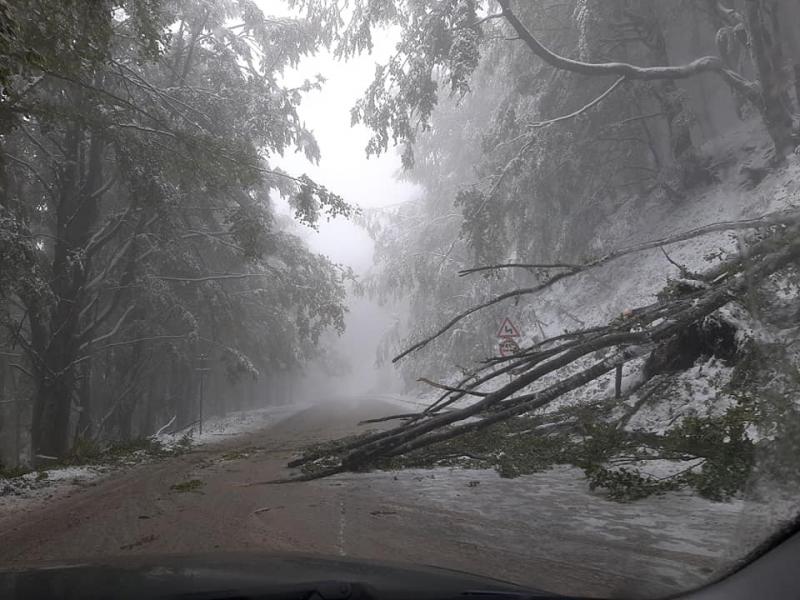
{"points": [[500, 286]]}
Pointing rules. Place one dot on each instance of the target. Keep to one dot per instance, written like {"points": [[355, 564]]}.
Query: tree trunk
{"points": [[731, 43], [670, 96], [679, 128], [797, 86], [128, 404], [51, 417], [125, 421], [185, 392], [765, 46], [149, 419], [762, 22], [5, 408], [75, 217], [84, 428]]}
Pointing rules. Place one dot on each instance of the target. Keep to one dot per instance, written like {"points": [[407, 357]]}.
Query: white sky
{"points": [[343, 168]]}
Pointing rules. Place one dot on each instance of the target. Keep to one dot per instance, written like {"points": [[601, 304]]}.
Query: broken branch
{"points": [[706, 64], [675, 316], [768, 220], [450, 389]]}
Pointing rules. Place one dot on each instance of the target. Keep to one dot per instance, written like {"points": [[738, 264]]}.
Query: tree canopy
{"points": [[138, 215]]}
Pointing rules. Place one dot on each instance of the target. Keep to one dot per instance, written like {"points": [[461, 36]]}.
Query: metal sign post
{"points": [[202, 366]]}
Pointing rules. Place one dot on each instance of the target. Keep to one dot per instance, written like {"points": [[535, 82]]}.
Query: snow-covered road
{"points": [[545, 530]]}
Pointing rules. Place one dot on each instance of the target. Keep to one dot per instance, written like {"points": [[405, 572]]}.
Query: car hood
{"points": [[204, 575]]}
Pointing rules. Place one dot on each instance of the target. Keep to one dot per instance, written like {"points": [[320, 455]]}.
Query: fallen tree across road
{"points": [[544, 373]]}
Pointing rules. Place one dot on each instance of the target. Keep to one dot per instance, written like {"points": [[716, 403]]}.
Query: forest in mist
{"points": [[138, 223], [560, 150]]}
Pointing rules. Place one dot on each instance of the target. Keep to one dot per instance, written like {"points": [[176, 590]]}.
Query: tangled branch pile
{"points": [[543, 373]]}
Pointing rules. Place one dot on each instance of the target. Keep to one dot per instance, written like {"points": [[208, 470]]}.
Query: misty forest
{"points": [[619, 178]]}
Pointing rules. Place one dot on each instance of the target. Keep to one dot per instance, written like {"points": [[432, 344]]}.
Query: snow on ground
{"points": [[676, 535], [681, 521], [678, 522], [695, 392], [602, 294], [233, 424], [32, 489], [663, 469], [22, 493]]}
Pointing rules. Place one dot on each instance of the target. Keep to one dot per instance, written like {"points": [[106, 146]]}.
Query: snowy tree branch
{"points": [[580, 111], [441, 386], [707, 64], [771, 219], [210, 277], [501, 404], [113, 331], [465, 272]]}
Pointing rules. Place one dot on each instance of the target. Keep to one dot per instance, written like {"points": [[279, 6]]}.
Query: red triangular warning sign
{"points": [[508, 330]]}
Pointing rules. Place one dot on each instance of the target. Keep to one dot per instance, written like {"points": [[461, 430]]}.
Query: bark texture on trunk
{"points": [[76, 216], [765, 47]]}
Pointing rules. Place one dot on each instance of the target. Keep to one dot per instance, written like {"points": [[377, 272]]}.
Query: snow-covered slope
{"points": [[602, 294]]}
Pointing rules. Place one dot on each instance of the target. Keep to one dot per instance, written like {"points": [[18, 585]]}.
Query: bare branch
{"points": [[451, 389], [22, 369], [501, 404], [539, 125], [464, 272], [106, 186], [131, 385], [122, 251], [637, 118], [154, 338], [210, 277], [31, 168], [683, 270], [100, 238], [572, 115], [217, 237], [771, 219], [144, 129], [171, 421], [390, 418], [523, 404], [113, 331], [706, 64], [108, 94], [485, 19], [729, 15]]}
